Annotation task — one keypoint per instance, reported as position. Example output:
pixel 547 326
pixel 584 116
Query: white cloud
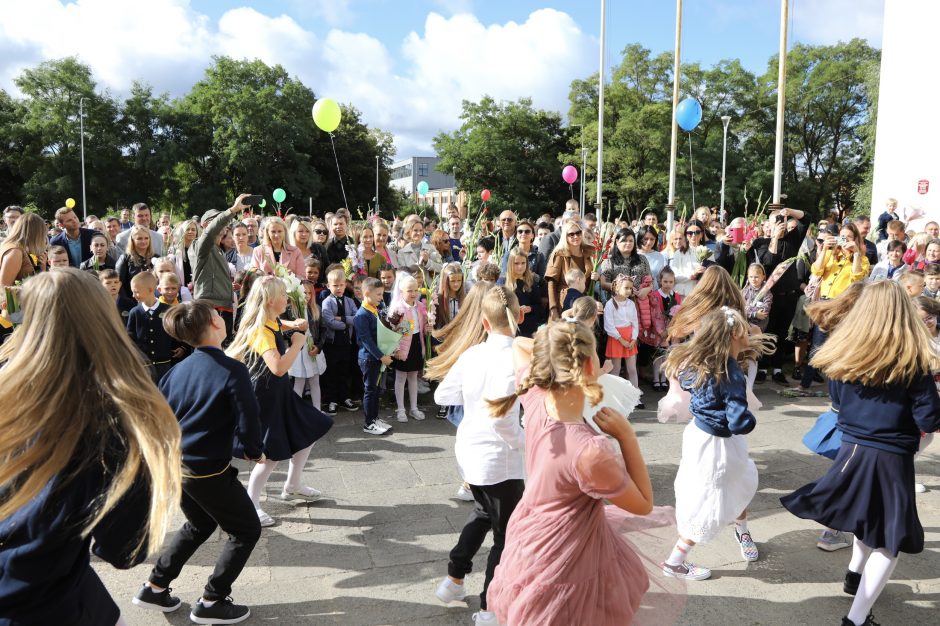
pixel 828 21
pixel 168 44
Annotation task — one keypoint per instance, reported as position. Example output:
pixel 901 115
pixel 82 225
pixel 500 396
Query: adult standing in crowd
pixel 142 217
pixel 380 229
pixel 274 249
pixel 863 224
pixel 525 239
pixel 251 223
pixel 336 249
pixel 507 229
pixel 10 215
pixel 418 251
pixel 211 278
pixel 681 259
pixel 240 255
pixel 570 253
pixel 647 239
pixel 75 239
pixel 783 244
pixel 549 242
pixel 625 260
pixel 25 241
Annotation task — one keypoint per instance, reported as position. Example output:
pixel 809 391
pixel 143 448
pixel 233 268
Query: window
pixel 401 172
pixel 422 169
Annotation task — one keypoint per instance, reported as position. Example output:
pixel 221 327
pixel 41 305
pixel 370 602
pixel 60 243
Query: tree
pixel 11 151
pixel 510 148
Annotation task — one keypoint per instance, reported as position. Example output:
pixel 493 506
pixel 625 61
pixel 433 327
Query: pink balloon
pixel 570 174
pixel 485 195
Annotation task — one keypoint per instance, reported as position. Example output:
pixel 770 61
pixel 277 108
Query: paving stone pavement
pixel 373 549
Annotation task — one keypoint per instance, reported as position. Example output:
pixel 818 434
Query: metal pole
pixel 671 203
pixel 725 119
pixel 600 109
pixel 781 100
pixel 376 184
pixel 583 165
pixel 81 125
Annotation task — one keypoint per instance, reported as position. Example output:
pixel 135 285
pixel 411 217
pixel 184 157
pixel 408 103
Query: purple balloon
pixel 570 174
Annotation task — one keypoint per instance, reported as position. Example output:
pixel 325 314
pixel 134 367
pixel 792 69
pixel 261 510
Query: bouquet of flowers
pixel 356 261
pixel 347 267
pixel 702 254
pixel 295 291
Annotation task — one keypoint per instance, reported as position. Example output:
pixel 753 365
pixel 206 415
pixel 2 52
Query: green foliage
pixel 245 126
pixel 511 149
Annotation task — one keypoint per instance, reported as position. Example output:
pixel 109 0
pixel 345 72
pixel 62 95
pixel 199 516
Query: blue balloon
pixel 688 114
pixel 423 188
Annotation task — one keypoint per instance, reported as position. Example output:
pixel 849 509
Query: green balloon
pixel 263 203
pixel 326 114
pixel 279 195
pixel 423 188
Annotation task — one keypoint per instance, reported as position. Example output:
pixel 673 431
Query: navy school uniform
pixel 45 571
pixel 146 330
pixel 571 295
pixel 124 306
pixel 869 491
pixel 339 348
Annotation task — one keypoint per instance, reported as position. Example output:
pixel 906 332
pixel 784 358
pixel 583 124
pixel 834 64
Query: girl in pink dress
pixel 564 562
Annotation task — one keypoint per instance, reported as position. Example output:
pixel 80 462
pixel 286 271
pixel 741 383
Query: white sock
pixel 860 554
pixel 679 553
pixel 777 370
pixel 487 615
pixel 206 603
pixel 877 571
pixel 741 526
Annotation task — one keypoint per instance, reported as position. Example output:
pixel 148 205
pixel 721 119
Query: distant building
pixel 407 173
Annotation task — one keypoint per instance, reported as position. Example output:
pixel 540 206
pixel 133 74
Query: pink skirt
pixel 616 350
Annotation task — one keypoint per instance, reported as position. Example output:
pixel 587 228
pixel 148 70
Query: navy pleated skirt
pixel 868 492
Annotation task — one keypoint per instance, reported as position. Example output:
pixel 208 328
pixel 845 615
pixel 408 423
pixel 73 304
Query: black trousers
pixel 782 310
pixel 335 384
pixel 210 503
pixel 492 510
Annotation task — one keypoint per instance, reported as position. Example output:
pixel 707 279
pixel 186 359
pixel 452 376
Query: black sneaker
pixel 442 412
pixel 349 405
pixel 852 580
pixel 869 621
pixel 640 406
pixel 222 612
pixel 797 373
pixel 330 409
pixel 761 376
pixel 780 378
pixel 817 378
pixel 161 601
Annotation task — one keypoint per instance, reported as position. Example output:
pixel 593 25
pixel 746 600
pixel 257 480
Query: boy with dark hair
pixel 145 325
pixel 212 397
pixel 111 281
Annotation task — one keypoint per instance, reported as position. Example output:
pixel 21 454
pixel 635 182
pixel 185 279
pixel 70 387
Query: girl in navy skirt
pixel 886 399
pixel 290 426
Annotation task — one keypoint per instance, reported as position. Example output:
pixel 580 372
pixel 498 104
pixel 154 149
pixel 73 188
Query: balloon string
pixel 571 189
pixel 691 171
pixel 340 174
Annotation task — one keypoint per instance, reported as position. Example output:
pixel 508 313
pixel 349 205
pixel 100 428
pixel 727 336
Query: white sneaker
pixel 423 387
pixel 465 494
pixel 265 519
pixel 382 423
pixel 920 488
pixel 485 618
pixel 418 414
pixel 301 493
pixel 449 591
pixel 375 429
pixel 401 416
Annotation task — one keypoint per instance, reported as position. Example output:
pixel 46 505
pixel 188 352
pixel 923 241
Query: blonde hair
pixel 884 315
pixel 131 249
pixel 827 314
pixel 28 235
pixel 292 233
pixel 558 355
pixel 705 356
pixel 574 275
pixel 714 290
pixel 527 277
pixel 501 309
pixel 460 333
pixel 444 292
pixel 584 309
pixel 618 288
pixel 275 221
pixel 563 240
pixel 144 280
pixel 72 333
pixel 254 318
pixel 179 235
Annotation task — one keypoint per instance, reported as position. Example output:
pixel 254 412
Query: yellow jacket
pixel 837 274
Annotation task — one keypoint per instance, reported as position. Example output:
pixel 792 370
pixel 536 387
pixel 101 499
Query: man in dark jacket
pixel 75 239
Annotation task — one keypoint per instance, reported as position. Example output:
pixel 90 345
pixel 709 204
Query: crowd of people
pixel 233 335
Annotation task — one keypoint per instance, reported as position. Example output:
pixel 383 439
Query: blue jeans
pixel 370 397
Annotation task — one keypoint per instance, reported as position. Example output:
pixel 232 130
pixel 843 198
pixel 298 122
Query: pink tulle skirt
pixel 674 406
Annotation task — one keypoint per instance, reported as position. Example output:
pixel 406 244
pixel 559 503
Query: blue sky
pixel 406 64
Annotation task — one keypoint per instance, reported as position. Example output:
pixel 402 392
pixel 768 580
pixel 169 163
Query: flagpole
pixel 671 203
pixel 781 102
pixel 600 108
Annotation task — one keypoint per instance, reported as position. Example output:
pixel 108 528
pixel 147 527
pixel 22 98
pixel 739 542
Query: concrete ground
pixel 374 548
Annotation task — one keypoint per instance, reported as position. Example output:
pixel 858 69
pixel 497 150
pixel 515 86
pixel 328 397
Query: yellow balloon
pixel 326 114
pixel 70 203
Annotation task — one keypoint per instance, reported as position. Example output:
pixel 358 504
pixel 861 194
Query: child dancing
pixel 886 399
pixel 716 478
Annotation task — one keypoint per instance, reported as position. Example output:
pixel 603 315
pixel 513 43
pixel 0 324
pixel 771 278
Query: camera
pixel 841 241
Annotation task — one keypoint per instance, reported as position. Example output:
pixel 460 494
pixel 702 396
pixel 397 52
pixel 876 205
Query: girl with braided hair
pixel 564 561
pixel 488 445
pixel 716 479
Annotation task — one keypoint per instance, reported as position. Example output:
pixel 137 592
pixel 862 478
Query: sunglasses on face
pixel 524 231
pixel 693 232
pixel 320 232
pixel 575 234
pixel 507 219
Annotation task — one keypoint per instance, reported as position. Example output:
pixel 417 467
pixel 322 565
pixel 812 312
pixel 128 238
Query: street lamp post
pixel 376 184
pixel 725 119
pixel 81 125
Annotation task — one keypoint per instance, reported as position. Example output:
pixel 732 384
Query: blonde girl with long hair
pixel 183 237
pixel 92 462
pixel 138 257
pixel 411 318
pixel 716 479
pixel 886 398
pixel 488 447
pixel 290 425
pixel 564 561
pixel 529 289
pixel 23 252
pixel 450 295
